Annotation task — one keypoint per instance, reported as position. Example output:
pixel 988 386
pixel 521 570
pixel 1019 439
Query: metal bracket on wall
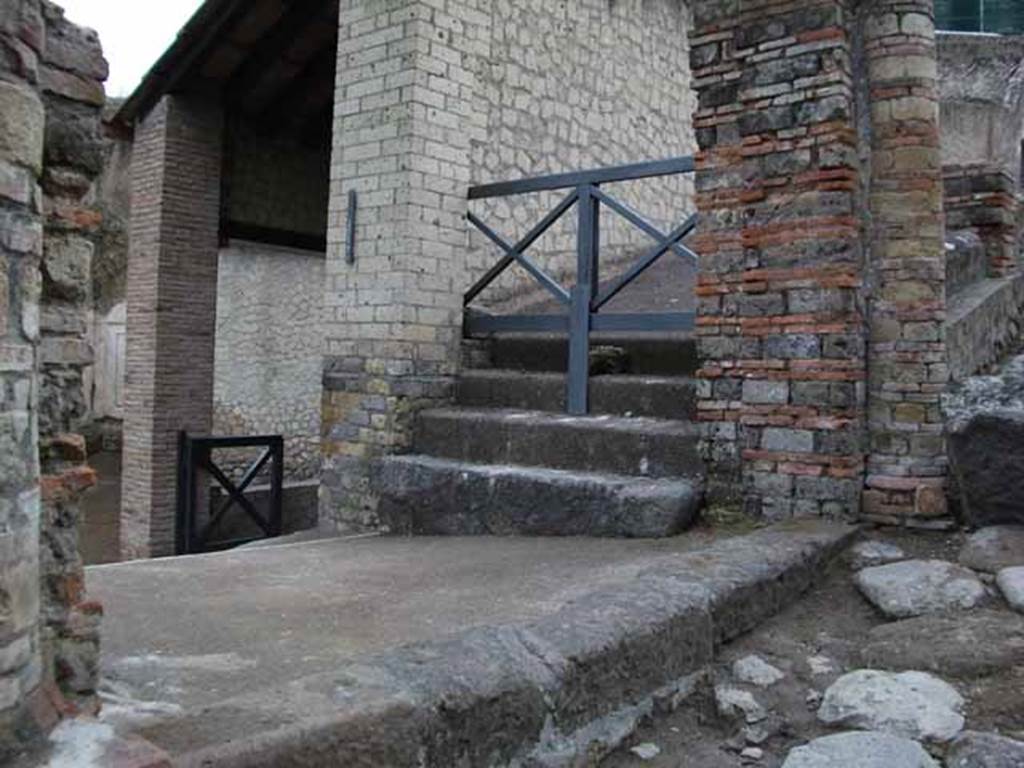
pixel 350 244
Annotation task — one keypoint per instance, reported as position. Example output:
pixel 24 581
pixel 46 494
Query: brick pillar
pixel 172 296
pixel 781 327
pixel 22 122
pixel 405 115
pixel 907 358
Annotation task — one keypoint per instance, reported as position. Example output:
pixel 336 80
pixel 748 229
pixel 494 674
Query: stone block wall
pixel 781 324
pixel 406 116
pixel 574 86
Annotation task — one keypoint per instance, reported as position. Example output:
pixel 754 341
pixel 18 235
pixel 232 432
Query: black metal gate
pixel 197 532
pixel 585 300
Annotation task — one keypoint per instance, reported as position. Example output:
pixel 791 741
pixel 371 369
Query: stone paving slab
pixel 430 651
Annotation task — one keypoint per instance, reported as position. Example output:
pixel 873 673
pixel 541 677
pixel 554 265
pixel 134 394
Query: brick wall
pixel 908 360
pixel 983 198
pixel 172 289
pixel 781 326
pixel 72 73
pixel 21 240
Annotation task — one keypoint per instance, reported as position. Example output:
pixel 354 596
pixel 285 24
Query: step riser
pixel 653 357
pixel 558 444
pixel 425 497
pixel 655 398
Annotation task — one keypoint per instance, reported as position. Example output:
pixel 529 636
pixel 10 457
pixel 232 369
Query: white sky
pixel 134 33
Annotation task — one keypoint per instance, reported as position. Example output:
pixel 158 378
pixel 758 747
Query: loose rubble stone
pixel 646 751
pixel 820 665
pixel 756 671
pixel 985 750
pixel 860 750
pixel 917 587
pixel 866 554
pixel 734 702
pixel 970 645
pixel 1011 582
pixel 915 705
pixel 995 548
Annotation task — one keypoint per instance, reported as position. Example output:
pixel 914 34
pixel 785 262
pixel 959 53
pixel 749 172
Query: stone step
pixel 674 355
pixel 661 397
pixel 616 444
pixel 561 688
pixel 424 495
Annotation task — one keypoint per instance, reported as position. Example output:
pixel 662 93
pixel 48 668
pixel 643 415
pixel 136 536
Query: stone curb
pixel 520 694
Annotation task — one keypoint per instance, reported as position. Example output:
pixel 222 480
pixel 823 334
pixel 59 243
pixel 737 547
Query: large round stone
pixel 860 749
pixel 985 750
pixel 1011 582
pixel 918 587
pixel 969 645
pixel 914 705
pixel 995 548
pixel 985 422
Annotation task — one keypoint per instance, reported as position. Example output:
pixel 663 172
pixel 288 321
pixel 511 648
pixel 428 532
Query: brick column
pixel 172 295
pixel 781 326
pixel 405 114
pixel 907 358
pixel 22 121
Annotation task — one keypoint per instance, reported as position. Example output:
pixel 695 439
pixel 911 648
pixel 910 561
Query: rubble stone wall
pixel 51 91
pixel 22 122
pixel 574 86
pixel 72 84
pixel 269 350
pixel 981 81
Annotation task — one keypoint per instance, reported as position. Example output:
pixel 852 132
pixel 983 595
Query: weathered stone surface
pixel 985 750
pixel 968 645
pixel 66 262
pixel 21 126
pixel 985 422
pixel 860 750
pixel 424 495
pixel 916 587
pixel 915 705
pixel 867 554
pixel 1011 582
pixel 756 671
pixel 995 548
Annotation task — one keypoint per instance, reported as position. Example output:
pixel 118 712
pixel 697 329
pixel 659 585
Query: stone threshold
pixel 560 689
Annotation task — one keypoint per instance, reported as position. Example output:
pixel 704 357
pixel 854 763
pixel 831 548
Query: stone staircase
pixel 505 458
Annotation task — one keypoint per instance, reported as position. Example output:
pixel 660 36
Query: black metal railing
pixel 586 299
pixel 197 523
